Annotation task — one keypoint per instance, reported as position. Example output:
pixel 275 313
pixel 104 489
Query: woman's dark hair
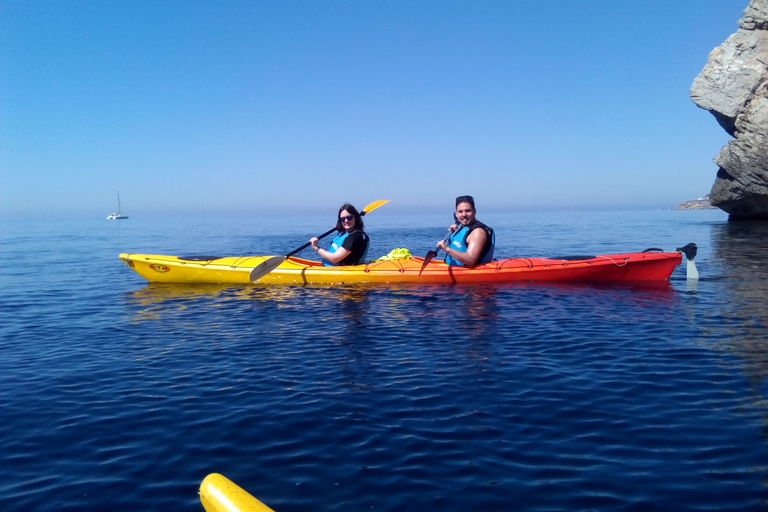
pixel 358 218
pixel 466 199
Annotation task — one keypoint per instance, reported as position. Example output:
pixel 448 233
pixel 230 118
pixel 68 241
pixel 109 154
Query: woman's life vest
pixel 358 252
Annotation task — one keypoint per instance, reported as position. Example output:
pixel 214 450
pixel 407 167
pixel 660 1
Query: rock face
pixel 733 86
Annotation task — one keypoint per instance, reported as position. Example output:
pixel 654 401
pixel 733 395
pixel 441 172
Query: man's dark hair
pixel 358 218
pixel 466 199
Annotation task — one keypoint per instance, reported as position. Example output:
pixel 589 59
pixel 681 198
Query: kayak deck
pixel 641 266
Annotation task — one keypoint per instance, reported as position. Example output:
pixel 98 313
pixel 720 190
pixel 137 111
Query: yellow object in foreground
pixel 220 494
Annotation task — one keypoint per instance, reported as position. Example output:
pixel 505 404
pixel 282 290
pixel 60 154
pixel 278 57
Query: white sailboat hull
pixel 117 215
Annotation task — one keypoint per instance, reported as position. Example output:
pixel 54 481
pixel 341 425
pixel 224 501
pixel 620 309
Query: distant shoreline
pixel 696 204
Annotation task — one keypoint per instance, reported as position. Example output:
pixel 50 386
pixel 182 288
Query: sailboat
pixel 117 215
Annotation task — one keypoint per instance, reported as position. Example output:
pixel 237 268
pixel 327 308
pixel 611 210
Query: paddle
pixel 270 264
pixel 433 253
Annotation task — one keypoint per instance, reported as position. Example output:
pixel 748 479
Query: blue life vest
pixel 336 244
pixel 458 242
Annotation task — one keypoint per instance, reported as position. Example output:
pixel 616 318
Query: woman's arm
pixel 332 257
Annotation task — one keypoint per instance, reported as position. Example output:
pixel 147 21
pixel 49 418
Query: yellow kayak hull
pixel 641 266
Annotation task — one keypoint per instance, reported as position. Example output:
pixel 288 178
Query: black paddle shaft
pixel 310 243
pixel 433 253
pixel 448 235
pixel 319 237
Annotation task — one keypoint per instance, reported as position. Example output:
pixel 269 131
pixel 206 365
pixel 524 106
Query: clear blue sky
pixel 255 107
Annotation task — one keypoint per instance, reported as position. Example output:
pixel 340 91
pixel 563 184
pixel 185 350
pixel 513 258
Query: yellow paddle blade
pixel 375 205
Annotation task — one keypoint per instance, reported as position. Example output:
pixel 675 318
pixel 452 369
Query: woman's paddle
pixel 270 264
pixel 432 254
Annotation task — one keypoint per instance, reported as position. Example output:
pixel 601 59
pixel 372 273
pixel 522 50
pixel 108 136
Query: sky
pixel 191 107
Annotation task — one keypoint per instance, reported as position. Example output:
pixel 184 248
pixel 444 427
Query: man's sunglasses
pixel 348 217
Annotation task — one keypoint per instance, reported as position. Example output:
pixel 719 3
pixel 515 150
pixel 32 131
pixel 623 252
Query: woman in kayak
pixel 350 246
pixel 471 242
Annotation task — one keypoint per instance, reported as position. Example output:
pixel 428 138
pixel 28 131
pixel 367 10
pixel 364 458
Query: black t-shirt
pixel 356 243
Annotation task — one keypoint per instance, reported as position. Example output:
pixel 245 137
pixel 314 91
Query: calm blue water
pixel 119 395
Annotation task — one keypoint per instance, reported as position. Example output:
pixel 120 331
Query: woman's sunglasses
pixel 348 217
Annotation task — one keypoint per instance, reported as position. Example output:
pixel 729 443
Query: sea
pixel 121 395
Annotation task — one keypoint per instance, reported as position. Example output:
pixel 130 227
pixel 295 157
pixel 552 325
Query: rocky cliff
pixel 733 86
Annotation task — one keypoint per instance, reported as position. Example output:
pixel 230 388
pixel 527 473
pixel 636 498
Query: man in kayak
pixel 471 242
pixel 350 247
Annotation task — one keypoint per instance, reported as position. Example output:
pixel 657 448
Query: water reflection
pixel 349 305
pixel 474 309
pixel 158 292
pixel 157 299
pixel 740 254
pixel 353 331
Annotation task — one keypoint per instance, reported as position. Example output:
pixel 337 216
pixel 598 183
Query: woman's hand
pixel 313 242
pixel 441 245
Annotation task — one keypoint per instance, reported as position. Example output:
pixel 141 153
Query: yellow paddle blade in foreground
pixel 220 494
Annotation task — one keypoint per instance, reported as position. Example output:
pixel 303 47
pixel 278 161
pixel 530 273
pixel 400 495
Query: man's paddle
pixel 433 253
pixel 270 264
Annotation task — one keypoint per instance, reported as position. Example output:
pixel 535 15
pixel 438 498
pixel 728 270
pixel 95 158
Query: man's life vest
pixel 458 242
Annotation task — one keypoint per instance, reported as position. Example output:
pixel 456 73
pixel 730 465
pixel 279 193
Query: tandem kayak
pixel 638 266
